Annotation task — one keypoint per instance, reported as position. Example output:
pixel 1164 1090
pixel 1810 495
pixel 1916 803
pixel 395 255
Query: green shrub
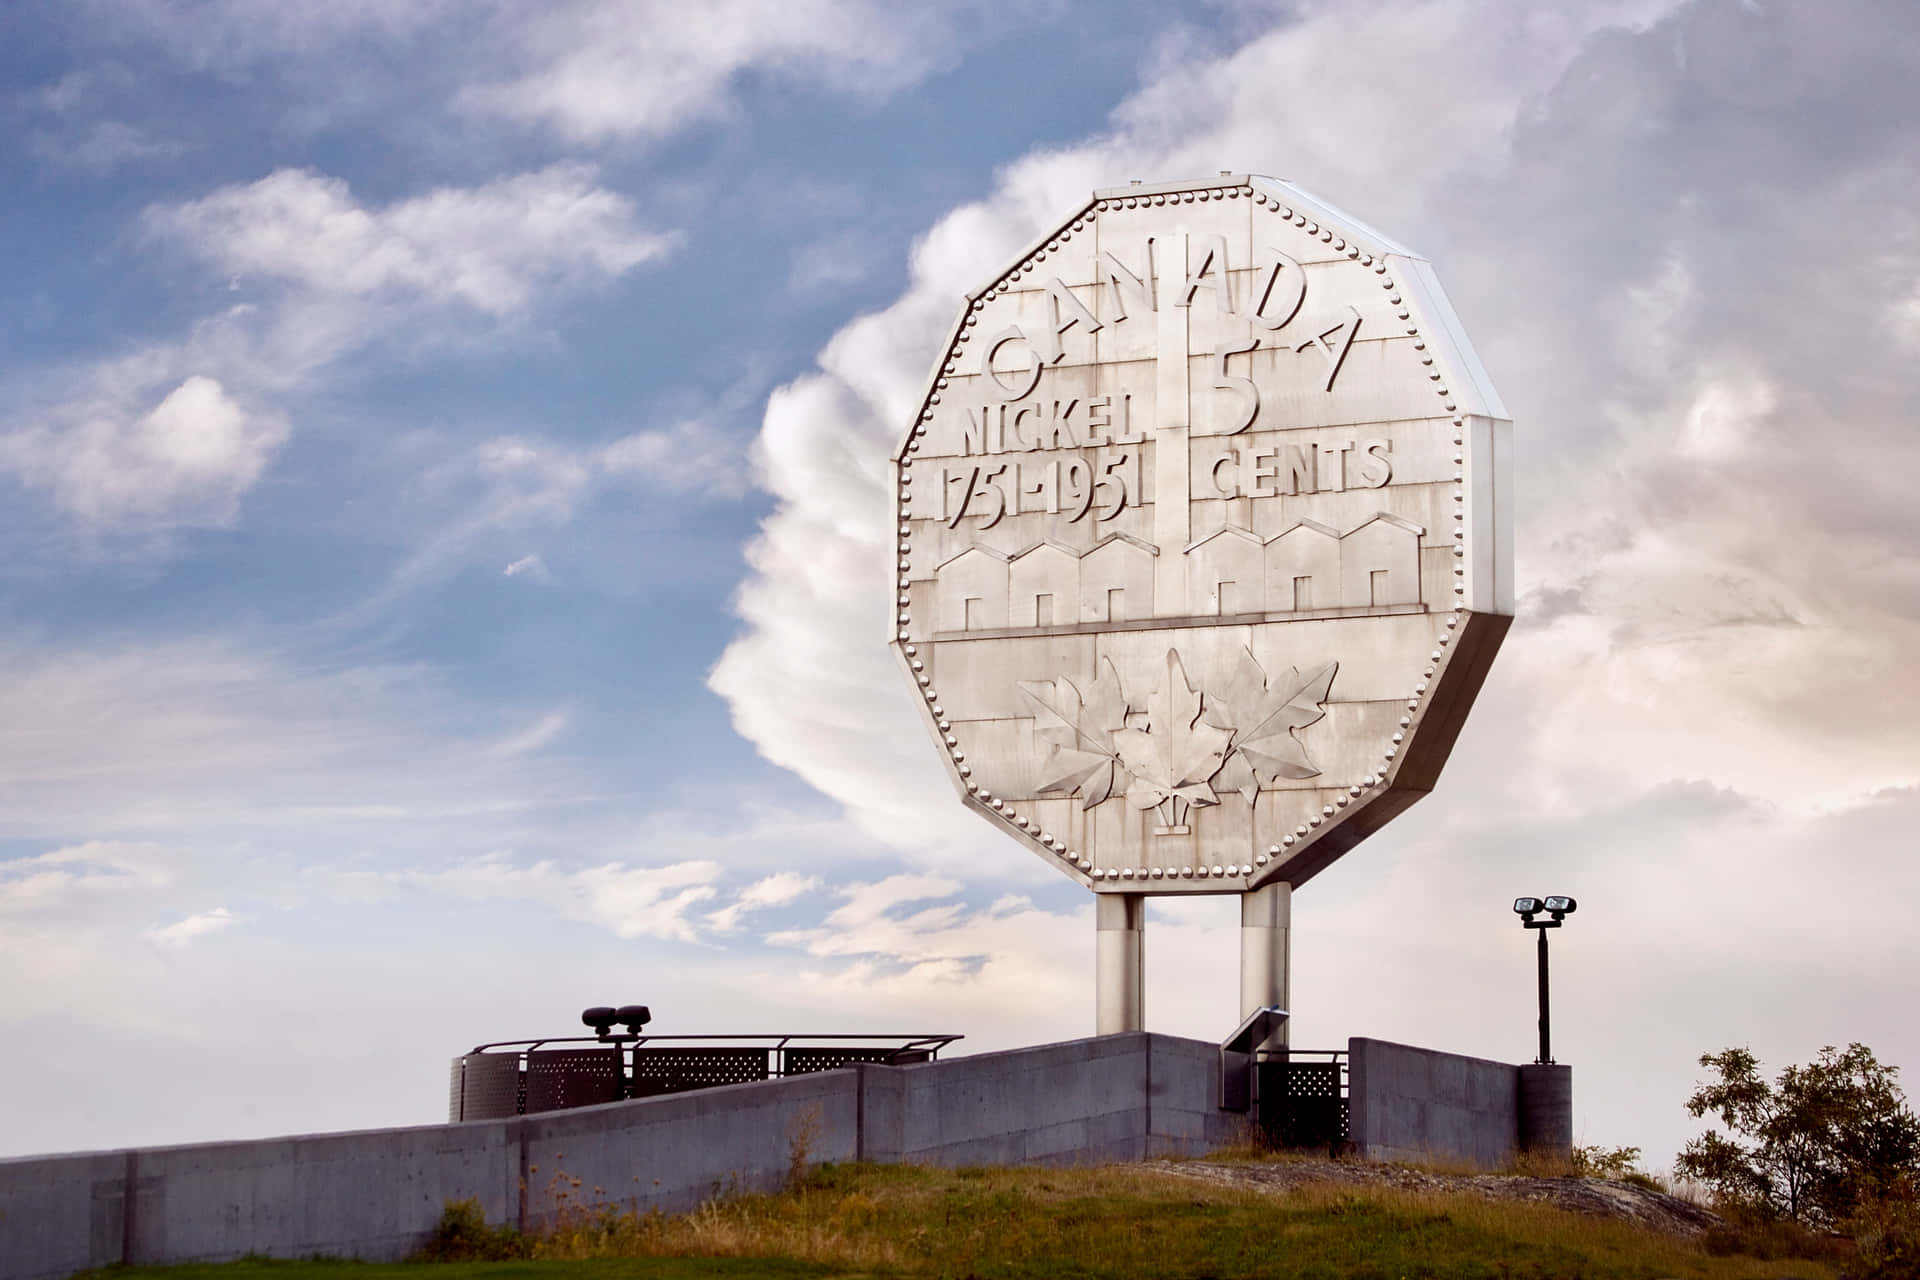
pixel 462 1235
pixel 1886 1229
pixel 1617 1163
pixel 1758 1233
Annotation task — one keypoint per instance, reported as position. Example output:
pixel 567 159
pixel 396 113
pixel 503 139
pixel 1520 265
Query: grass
pixel 1115 1221
pixel 591 1269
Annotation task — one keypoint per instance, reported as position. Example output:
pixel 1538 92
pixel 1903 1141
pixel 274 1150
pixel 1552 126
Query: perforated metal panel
pixel 801 1061
pixel 1303 1104
pixel 560 1078
pixel 486 1086
pixel 657 1071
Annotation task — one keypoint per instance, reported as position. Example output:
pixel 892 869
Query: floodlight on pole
pixel 1557 907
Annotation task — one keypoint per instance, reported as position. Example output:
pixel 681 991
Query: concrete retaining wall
pixel 1183 1099
pixel 1423 1105
pixel 376 1194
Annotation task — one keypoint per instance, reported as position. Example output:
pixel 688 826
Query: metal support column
pixel 1119 960
pixel 1546 1025
pixel 1266 920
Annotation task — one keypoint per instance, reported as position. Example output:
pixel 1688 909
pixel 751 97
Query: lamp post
pixel 1558 908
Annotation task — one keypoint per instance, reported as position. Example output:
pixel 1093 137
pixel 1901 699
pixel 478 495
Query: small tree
pixel 1809 1146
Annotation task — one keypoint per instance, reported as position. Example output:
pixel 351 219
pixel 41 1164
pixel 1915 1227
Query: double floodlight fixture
pixel 602 1017
pixel 1558 907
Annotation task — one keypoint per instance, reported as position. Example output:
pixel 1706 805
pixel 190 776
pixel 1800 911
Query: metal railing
pixel 523 1077
pixel 1336 1058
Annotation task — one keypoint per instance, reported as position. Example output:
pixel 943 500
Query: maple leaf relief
pixel 1080 728
pixel 1183 747
pixel 1262 718
pixel 1173 758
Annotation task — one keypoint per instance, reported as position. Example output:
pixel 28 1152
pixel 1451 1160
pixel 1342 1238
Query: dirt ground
pixel 1650 1209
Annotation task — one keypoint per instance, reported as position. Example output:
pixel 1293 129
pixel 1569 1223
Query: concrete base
pixel 1546 1110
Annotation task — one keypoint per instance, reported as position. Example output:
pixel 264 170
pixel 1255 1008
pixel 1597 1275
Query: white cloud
pixel 76 873
pixel 588 71
pixel 808 681
pixel 841 260
pixel 1724 415
pixel 181 932
pixel 639 69
pixel 627 901
pixel 234 34
pixel 694 457
pixel 195 722
pixel 541 733
pixel 323 275
pixel 104 147
pixel 1904 316
pixel 186 461
pixel 494 248
pixel 907 932
pixel 905 951
pixel 71 89
pixel 776 890
pixel 868 923
pixel 532 568
pixel 501 486
pixel 508 485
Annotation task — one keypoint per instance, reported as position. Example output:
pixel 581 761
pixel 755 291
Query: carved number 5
pixel 1119 480
pixel 1243 387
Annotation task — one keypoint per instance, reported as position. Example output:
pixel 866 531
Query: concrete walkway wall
pixel 1414 1104
pixel 376 1194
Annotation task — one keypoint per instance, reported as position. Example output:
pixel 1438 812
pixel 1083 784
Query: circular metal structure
pixel 1204 538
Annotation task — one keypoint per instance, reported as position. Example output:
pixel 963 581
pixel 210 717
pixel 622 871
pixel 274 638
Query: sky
pixel 444 555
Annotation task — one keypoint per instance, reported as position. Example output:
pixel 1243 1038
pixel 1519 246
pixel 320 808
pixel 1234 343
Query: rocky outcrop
pixel 1654 1210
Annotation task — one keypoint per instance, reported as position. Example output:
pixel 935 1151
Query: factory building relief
pixel 1232 572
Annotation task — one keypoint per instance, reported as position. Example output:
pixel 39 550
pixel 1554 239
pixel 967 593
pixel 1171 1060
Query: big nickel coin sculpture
pixel 1204 551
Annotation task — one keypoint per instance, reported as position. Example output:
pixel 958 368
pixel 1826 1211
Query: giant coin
pixel 1204 538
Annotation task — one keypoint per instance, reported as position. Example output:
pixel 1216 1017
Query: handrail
pixel 644 1065
pixel 1285 1053
pixel 932 1044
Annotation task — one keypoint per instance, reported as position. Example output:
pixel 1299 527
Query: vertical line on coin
pixel 1172 520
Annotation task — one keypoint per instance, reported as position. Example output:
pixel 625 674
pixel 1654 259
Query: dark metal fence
pixel 1302 1097
pixel 524 1077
